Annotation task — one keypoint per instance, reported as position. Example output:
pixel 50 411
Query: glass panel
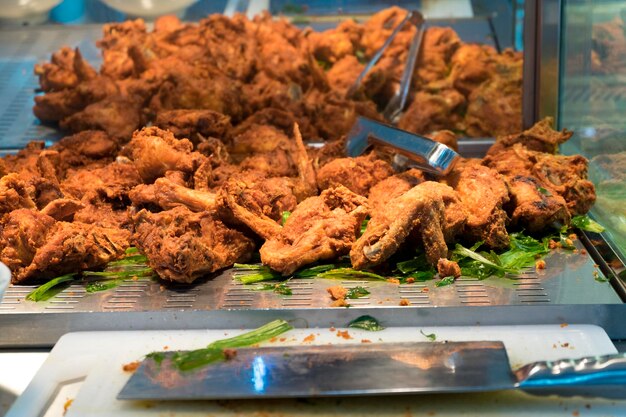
pixel 593 103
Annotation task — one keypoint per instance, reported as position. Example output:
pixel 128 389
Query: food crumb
pixel 540 264
pixel 230 354
pixel 366 341
pixel 337 292
pixel 393 280
pixel 583 251
pixel 344 334
pixel 131 367
pixel 161 288
pixel 554 346
pixel 67 405
pixel 425 289
pixel 341 302
pixel 332 329
pixel 405 302
pixel 309 338
pixel 575 413
pixel 564 345
pixel 564 325
pixel 410 280
pixel 573 236
pixel 273 339
pixel 282 339
pixel 553 244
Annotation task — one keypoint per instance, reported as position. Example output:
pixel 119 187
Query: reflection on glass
pixel 258 374
pixel 593 103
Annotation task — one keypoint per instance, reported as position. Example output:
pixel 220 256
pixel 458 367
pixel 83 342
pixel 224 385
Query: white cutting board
pixel 87 367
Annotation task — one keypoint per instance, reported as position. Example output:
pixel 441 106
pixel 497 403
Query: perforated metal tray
pixel 565 292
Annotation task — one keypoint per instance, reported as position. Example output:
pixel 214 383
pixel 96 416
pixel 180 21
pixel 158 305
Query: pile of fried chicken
pixel 265 69
pixel 196 208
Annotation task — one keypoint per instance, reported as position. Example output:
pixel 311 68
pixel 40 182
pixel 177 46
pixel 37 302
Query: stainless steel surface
pixel 329 370
pixel 396 104
pixel 430 156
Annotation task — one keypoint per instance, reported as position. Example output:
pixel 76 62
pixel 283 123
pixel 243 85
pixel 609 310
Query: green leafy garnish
pixel 280 288
pixel 324 65
pixel 131 251
pixel 284 217
pixel 141 260
pixel 357 292
pixel 445 281
pixel 250 274
pixel 544 191
pixel 313 271
pixel 364 224
pixel 431 336
pixel 142 271
pixel 360 56
pixel 50 288
pixel 585 223
pixel 214 352
pixel 368 323
pixel 523 253
pixel 97 286
pixel 350 273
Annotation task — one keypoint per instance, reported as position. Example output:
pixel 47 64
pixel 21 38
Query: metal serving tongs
pixel 398 101
pixel 428 155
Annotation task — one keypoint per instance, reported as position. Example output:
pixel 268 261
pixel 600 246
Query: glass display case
pixel 579 49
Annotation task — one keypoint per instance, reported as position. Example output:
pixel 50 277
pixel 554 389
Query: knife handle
pixel 588 371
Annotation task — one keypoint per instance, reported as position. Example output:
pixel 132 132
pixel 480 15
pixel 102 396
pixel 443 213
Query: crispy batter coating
pixel 320 228
pixel 540 137
pixel 182 245
pixel 394 186
pixel 194 124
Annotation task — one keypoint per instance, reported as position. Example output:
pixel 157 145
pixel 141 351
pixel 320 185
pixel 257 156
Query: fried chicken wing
pixel 319 228
pixel 182 245
pixel 540 137
pixel 394 186
pixel 387 230
pixel 194 124
pixel 167 194
pixel 535 206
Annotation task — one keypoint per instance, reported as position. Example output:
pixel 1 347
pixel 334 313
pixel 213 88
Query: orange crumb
pixel 166 347
pixel 410 280
pixel 393 280
pixel 161 288
pixel 425 289
pixel 405 302
pixel 273 339
pixel 564 324
pixel 569 242
pixel 309 338
pixel 341 302
pixel 573 236
pixel 282 339
pixel 332 329
pixel 564 345
pixel 230 354
pixel 366 341
pixel 131 367
pixel 583 251
pixel 540 264
pixel 67 405
pixel 553 244
pixel 344 334
pixel 337 292
pixel 575 413
pixel 135 278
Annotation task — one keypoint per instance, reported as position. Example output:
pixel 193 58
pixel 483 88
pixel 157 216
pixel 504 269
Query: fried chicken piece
pixel 495 106
pixel 421 207
pixel 567 176
pixel 392 187
pixel 182 245
pixel 430 112
pixel 66 69
pixel 15 194
pixel 155 151
pixel 111 183
pixel 62 209
pixel 540 137
pixel 511 161
pixel 483 193
pixel 167 194
pixel 194 124
pixel 89 148
pixel 102 213
pixel 534 205
pixel 118 116
pixel 117 39
pixel 446 137
pixel 456 214
pixel 332 45
pixel 344 73
pixel 447 268
pixel 439 45
pixel 319 228
pixel 357 174
pixel 34 245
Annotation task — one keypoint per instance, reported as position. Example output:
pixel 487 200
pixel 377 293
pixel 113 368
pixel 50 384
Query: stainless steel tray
pixel 565 292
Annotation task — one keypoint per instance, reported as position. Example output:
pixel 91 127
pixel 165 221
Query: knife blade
pixel 372 369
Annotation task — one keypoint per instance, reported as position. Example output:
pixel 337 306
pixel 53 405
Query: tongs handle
pixel 398 101
pixel 413 16
pixel 430 156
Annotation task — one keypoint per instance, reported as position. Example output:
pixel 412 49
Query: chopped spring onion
pixel 585 223
pixel 364 224
pixel 368 323
pixel 350 273
pixel 284 217
pixel 104 285
pixel 357 292
pixel 431 336
pixel 50 288
pixel 250 274
pixel 445 281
